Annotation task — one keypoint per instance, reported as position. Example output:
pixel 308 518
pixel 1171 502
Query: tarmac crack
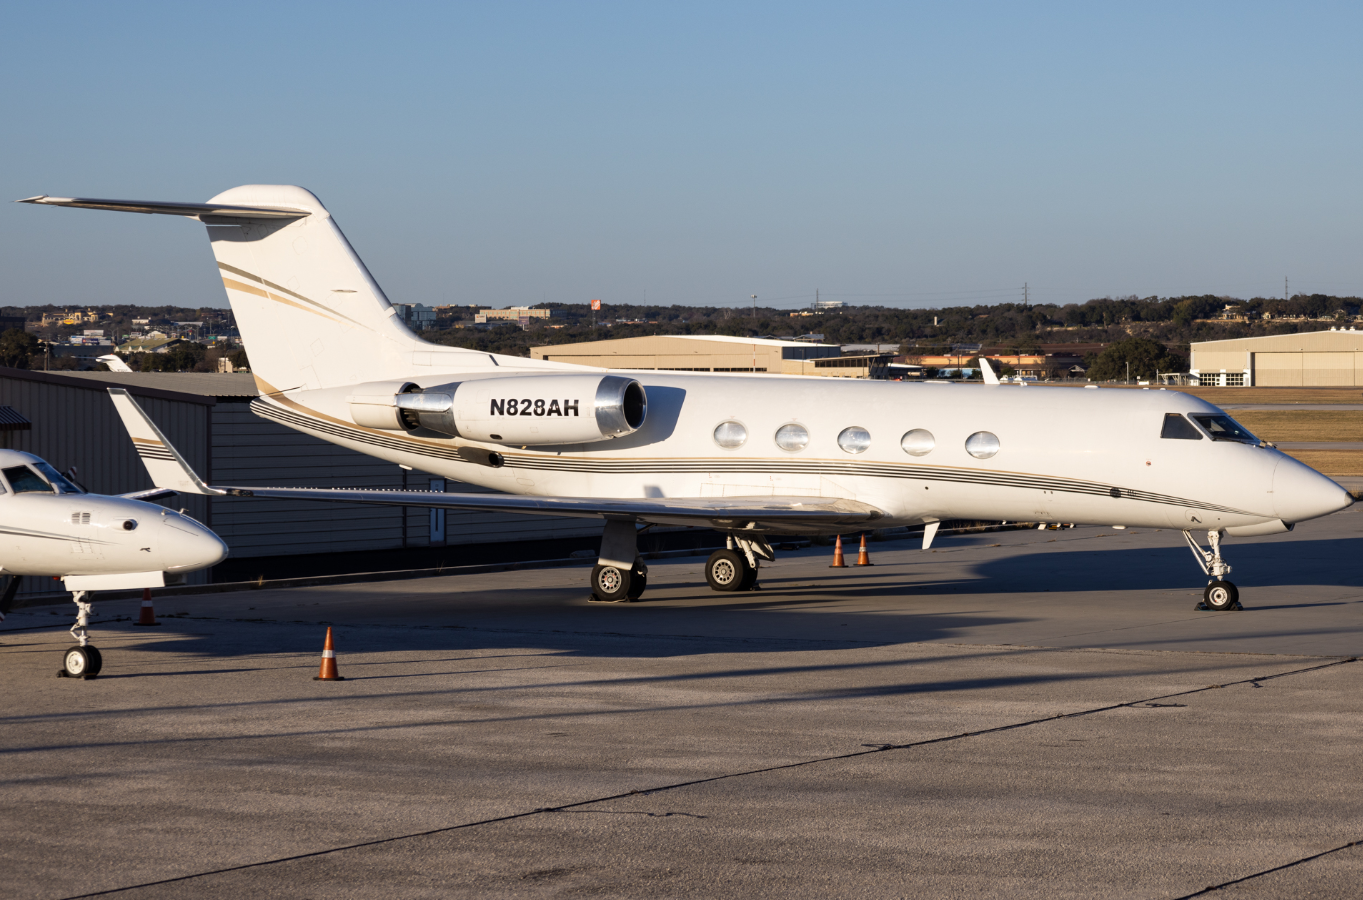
pixel 873 749
pixel 1286 865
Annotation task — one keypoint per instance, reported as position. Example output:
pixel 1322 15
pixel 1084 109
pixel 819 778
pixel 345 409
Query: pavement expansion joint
pixel 866 750
pixel 1260 874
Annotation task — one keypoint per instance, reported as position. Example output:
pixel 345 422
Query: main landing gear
pixel 735 568
pixel 1219 595
pixel 83 660
pixel 615 581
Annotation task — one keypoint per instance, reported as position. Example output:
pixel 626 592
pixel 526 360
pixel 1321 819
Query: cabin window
pixel 1178 428
pixel 1224 428
pixel 982 445
pixel 854 440
pixel 730 435
pixel 23 480
pixel 918 442
pixel 792 437
pixel 57 479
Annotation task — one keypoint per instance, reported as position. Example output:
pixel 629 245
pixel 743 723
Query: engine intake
pixel 527 410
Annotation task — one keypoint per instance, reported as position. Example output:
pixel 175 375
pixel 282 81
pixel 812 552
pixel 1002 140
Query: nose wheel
pixel 84 660
pixel 1219 595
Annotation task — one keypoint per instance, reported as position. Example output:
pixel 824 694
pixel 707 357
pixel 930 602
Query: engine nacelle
pixel 521 410
pixel 372 406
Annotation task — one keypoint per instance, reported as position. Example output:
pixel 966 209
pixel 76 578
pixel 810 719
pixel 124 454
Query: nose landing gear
pixel 1219 595
pixel 84 660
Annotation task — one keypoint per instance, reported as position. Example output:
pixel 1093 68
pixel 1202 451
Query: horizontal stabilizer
pixel 171 209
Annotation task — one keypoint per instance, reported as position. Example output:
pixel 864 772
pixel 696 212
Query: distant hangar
pixel 719 353
pixel 1331 358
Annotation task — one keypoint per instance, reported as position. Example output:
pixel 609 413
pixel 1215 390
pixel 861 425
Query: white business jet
pixel 50 526
pixel 751 456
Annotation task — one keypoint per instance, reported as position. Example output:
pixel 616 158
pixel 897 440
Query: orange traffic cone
pixel 148 616
pixel 862 558
pixel 837 555
pixel 328 671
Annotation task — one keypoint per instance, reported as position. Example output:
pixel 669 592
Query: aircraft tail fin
pixel 988 372
pixel 310 314
pixel 164 463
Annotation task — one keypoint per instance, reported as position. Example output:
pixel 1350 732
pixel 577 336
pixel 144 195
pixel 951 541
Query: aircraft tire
pixel 611 584
pixel 96 659
pixel 80 662
pixel 1220 596
pixel 638 580
pixel 726 571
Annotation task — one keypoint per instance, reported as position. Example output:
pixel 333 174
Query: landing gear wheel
pixel 81 662
pixel 1220 596
pixel 611 584
pixel 727 570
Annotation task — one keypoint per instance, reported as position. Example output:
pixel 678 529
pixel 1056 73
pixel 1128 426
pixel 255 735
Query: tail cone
pixel 328 671
pixel 148 616
pixel 864 559
pixel 838 562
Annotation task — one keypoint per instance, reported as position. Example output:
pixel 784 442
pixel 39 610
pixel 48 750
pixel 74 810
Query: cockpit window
pixel 24 480
pixel 1179 429
pixel 57 479
pixel 1224 428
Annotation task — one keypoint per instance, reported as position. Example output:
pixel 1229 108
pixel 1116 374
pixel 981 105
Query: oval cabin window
pixel 730 435
pixel 854 440
pixel 918 442
pixel 982 445
pixel 792 438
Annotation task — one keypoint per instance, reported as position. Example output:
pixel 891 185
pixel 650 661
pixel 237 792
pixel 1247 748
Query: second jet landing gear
pixel 1219 595
pixel 83 660
pixel 735 568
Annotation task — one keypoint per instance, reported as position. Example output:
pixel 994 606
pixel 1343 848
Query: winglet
pixel 164 463
pixel 988 372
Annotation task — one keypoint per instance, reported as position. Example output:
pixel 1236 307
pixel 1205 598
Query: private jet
pixel 749 455
pixel 51 526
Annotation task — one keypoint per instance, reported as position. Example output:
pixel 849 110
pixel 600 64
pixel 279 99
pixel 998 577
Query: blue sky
pixel 903 154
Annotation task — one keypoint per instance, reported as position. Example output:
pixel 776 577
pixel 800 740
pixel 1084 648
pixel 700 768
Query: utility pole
pixel 754 325
pixel 1026 299
pixel 1286 295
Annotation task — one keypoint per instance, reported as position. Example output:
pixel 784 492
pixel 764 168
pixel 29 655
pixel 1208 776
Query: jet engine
pixel 521 410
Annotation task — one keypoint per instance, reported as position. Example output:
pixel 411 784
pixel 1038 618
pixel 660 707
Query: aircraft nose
pixel 186 545
pixel 1301 493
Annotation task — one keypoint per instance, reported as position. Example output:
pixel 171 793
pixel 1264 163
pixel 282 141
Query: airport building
pixel 719 353
pixel 69 420
pixel 1331 358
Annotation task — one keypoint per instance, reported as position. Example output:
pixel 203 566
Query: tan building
pixel 516 313
pixel 718 353
pixel 1331 358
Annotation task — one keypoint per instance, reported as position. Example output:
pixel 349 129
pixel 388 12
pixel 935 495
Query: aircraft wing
pixel 150 494
pixel 721 512
pixel 169 470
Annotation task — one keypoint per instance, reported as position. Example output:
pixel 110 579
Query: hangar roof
pixel 1310 341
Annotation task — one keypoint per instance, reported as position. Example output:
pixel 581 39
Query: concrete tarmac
pixel 1019 713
